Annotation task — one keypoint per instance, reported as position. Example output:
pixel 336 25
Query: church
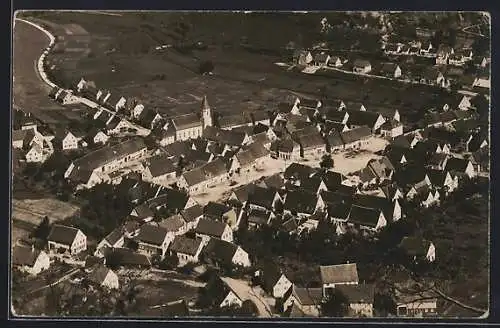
pixel 190 126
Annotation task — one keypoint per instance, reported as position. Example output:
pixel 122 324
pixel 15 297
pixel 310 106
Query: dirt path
pixel 245 292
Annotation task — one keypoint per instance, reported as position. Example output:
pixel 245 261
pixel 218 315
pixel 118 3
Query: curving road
pixel 29 91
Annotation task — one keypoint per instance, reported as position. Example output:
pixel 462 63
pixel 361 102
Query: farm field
pixel 168 80
pixel 29 92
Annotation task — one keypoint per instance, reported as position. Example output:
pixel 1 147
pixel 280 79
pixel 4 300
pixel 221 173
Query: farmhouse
pixel 360 299
pixel 106 160
pixel 187 249
pixel 363 118
pixel 362 66
pixel 191 215
pixel 286 149
pixel 153 240
pixel 256 217
pixel 321 59
pixel 300 203
pixel 418 248
pixel 29 259
pixel 461 166
pixel 220 212
pixel 335 61
pixel 364 218
pixel 160 169
pixel 207 229
pixel 338 274
pixel 224 253
pixel 407 305
pixel 114 239
pixel 391 70
pixel 307 300
pixel 302 57
pixel 391 129
pixel 273 281
pixel 102 276
pixel 356 137
pixel 199 179
pixel 66 238
pixel 124 257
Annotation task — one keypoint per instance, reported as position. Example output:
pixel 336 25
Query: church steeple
pixel 206 113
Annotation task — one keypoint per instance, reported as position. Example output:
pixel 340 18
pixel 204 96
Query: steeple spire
pixel 206 112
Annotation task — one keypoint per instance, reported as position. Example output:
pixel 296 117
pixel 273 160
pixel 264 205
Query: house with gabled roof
pixel 365 218
pixel 105 277
pixel 296 172
pixel 159 170
pixel 273 280
pixel 418 248
pixel 391 70
pixel 115 101
pixel 153 240
pixel 223 253
pixel 66 238
pixel 220 212
pixel 408 305
pixel 256 217
pixel 362 66
pixel 335 61
pixel 364 118
pixel 286 149
pixel 302 57
pixel 422 191
pixel 29 259
pixel 461 166
pixel 321 59
pixel 391 128
pixel 336 275
pixel 300 203
pixel 186 249
pixel 443 180
pixel 191 215
pixel 114 239
pixel 360 299
pixel 307 300
pixel 263 198
pixel 124 257
pixel 208 228
pixel 356 137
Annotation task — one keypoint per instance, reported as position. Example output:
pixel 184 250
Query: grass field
pixel 29 91
pixel 124 60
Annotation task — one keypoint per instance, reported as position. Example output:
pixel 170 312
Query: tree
pixel 336 305
pixel 326 162
pixel 43 229
pixel 206 67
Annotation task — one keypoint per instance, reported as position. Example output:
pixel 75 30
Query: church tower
pixel 206 113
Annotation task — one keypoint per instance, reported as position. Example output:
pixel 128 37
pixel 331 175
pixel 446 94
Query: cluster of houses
pixel 298 302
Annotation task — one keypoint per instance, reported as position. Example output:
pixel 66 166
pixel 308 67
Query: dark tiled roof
pixel 362 293
pixel 160 165
pixel 114 236
pixel 210 227
pixel 220 250
pixel 62 234
pixel 298 171
pixel 311 141
pixel 215 210
pixel 364 216
pixel 339 273
pixel 192 213
pixel 356 134
pixel 258 217
pixel 262 196
pixel 300 202
pixel 24 255
pixel 186 121
pixel 224 136
pixel 415 246
pixel 152 234
pixel 362 118
pixel 308 296
pixel 456 164
pixel 99 274
pixel 173 223
pixel 109 153
pixel 185 245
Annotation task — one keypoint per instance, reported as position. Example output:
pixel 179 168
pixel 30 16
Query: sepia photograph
pixel 250 164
